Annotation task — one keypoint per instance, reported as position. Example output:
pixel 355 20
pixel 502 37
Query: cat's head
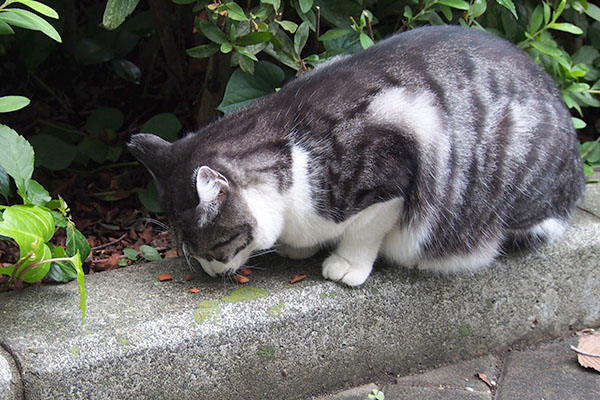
pixel 206 210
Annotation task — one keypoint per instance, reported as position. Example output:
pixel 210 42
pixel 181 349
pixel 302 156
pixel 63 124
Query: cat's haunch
pixel 436 148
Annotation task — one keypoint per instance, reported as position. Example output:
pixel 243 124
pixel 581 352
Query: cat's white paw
pixel 296 253
pixel 337 268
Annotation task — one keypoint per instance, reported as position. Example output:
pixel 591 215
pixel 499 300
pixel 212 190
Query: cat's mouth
pixel 216 268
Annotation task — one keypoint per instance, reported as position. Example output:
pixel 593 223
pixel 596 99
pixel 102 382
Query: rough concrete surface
pixel 10 379
pixel 271 340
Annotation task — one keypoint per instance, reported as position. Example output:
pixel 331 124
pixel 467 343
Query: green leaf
pixel 52 152
pixel 39 7
pixel 458 4
pixel 28 20
pixel 4 184
pixel 578 123
pixel 242 88
pixel 205 50
pixel 12 103
pixel 16 156
pixel 150 199
pixel 62 271
pixel 245 53
pixel 593 11
pixel 116 11
pixel 301 37
pixel 254 38
pixel 334 34
pixel 546 48
pixel 226 48
pixel 547 12
pixel 275 3
pixel 5 28
pixel 165 125
pixel 127 70
pixel 212 32
pixel 566 27
pixel 305 5
pixel 365 41
pixel 132 254
pixel 478 8
pixel 287 25
pixel 37 194
pixel 31 227
pixel 536 20
pixel 234 11
pixel 509 5
pixel 246 64
pixel 104 119
pixel 76 242
pixel 447 11
pixel 90 51
pixel 149 253
pixel 337 12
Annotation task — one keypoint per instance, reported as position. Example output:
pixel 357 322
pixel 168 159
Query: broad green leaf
pixel 31 227
pixel 254 38
pixel 536 20
pixel 245 53
pixel 365 41
pixel 246 64
pixel 12 103
pixel 212 32
pixel 149 253
pixel 509 5
pixel 62 271
pixel 547 13
pixel 116 11
pixel 275 3
pixel 447 11
pixel 478 8
pixel 337 12
pixel 16 156
pixel 305 5
pixel 132 254
pixel 165 125
pixel 52 152
pixel 287 25
pixel 591 151
pixel 127 70
pixel 90 51
pixel 234 11
pixel 5 28
pixel 4 184
pixel 77 243
pixel 334 34
pixel 39 7
pixel 104 119
pixel 226 48
pixel 37 194
pixel 559 10
pixel 300 38
pixel 566 27
pixel 578 123
pixel 28 20
pixel 242 88
pixel 458 4
pixel 546 49
pixel 205 50
pixel 150 199
pixel 593 11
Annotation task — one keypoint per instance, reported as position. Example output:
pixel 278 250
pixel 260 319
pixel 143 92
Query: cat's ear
pixel 152 151
pixel 212 188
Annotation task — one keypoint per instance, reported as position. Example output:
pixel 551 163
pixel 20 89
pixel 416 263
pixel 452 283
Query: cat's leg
pixel 352 261
pixel 296 253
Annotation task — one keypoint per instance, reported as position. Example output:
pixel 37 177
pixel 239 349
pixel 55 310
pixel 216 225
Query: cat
pixel 437 148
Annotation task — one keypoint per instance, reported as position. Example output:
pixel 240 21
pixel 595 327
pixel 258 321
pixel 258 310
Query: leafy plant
pixel 33 224
pixel 148 253
pixel 376 395
pixel 14 16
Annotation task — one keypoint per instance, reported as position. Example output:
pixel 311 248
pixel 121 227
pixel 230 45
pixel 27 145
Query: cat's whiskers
pixel 156 222
pixel 187 257
pixel 262 253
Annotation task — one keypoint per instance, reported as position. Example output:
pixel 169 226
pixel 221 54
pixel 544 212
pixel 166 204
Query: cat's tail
pixel 546 231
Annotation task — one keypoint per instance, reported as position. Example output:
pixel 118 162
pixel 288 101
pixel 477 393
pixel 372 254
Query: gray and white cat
pixel 435 148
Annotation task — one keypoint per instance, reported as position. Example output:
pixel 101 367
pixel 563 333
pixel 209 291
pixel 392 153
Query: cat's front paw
pixel 296 253
pixel 337 268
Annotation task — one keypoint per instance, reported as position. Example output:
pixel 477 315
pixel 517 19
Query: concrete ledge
pixel 272 340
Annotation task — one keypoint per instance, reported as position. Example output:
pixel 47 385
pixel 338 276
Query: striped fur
pixel 436 148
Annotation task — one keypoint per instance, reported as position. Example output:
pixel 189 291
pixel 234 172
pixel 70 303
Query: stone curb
pixel 272 340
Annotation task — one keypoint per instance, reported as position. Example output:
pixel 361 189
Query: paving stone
pixel 357 393
pixel 460 376
pixel 399 392
pixel 550 372
pixel 10 379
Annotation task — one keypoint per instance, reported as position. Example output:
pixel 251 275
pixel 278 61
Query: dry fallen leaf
pixel 171 253
pixel 298 278
pixel 241 279
pixel 588 350
pixel 194 290
pixel 485 379
pixel 165 277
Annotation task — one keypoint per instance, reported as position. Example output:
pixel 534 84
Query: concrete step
pixel 271 339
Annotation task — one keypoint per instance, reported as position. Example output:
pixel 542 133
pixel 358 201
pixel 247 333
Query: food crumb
pixel 244 271
pixel 189 278
pixel 194 290
pixel 241 279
